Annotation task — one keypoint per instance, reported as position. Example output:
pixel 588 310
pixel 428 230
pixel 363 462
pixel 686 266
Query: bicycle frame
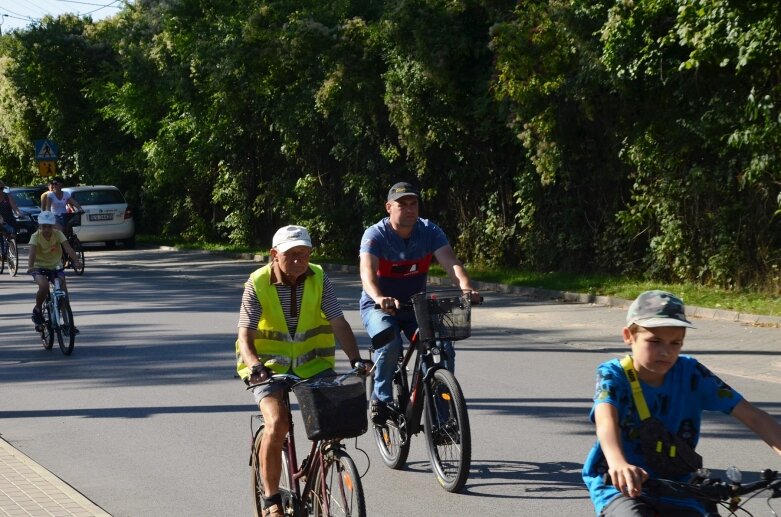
pixel 313 467
pixel 326 457
pixel 425 366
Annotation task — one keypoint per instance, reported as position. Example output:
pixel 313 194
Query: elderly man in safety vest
pixel 287 323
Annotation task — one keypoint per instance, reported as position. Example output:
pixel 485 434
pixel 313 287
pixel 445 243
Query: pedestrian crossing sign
pixel 46 150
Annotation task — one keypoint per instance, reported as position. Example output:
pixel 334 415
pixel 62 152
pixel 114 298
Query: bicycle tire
pixel 2 253
pixel 448 437
pixel 392 439
pixel 13 257
pixel 256 480
pixel 47 333
pixel 343 488
pixel 65 335
pixel 78 249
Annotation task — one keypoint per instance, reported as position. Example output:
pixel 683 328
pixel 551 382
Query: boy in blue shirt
pixel 676 389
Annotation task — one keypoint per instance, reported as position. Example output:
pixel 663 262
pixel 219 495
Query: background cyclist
pixel 46 246
pixel 57 201
pixel 288 319
pixel 395 256
pixel 8 211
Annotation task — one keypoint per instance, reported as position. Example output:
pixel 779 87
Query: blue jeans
pixel 385 328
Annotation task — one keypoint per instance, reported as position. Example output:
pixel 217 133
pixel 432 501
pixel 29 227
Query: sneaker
pixel 379 411
pixel 38 316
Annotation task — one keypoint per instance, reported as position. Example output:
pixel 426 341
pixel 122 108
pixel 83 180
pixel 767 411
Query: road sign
pixel 47 168
pixel 46 150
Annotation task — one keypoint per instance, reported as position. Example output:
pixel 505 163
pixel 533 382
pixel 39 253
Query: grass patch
pixel 745 301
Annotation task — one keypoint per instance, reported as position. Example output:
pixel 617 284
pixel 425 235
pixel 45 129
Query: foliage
pixel 639 137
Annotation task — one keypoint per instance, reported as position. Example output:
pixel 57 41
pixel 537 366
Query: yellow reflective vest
pixel 311 349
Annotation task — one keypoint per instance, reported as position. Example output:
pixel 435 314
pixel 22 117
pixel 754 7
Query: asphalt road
pixel 147 419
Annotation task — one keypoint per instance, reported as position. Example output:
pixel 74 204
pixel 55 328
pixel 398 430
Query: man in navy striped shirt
pixel 395 256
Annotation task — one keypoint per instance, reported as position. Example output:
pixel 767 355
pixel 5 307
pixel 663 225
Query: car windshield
pixel 98 197
pixel 26 198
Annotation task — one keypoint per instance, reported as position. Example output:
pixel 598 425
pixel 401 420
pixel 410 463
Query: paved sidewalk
pixel 29 490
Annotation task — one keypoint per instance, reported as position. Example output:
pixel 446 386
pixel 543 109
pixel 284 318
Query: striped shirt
pixel 251 310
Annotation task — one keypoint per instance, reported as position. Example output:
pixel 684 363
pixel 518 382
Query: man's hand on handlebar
pixel 364 366
pixel 259 373
pixel 475 298
pixel 387 304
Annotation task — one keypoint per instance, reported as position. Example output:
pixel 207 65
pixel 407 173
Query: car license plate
pixel 22 230
pixel 101 217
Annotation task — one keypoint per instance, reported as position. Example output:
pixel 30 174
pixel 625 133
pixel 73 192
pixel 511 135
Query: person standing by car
pixel 395 255
pixel 46 247
pixel 288 320
pixel 8 211
pixel 58 201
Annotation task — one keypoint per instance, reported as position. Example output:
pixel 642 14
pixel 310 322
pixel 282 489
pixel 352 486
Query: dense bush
pixel 636 137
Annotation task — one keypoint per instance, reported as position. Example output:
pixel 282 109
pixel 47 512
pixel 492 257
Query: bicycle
pixel 712 492
pixel 9 253
pixel 57 315
pixel 332 410
pixel 441 315
pixel 72 220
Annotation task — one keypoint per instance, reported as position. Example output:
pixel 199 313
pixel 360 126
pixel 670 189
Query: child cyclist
pixel 46 246
pixel 652 431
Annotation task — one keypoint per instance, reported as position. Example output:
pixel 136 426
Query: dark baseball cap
pixel 657 309
pixel 402 189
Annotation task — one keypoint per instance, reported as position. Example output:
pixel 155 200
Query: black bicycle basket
pixel 332 409
pixel 443 314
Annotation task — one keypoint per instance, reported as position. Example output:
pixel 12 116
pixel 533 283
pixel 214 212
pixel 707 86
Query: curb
pixel 546 294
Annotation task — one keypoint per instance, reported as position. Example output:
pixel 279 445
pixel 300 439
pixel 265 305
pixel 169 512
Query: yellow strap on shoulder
pixel 637 391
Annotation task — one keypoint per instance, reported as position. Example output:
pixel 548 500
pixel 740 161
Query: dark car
pixel 28 200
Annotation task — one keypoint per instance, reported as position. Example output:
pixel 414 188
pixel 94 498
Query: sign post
pixel 46 154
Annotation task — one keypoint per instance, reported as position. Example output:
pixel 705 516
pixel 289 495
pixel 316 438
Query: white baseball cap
pixel 291 236
pixel 47 218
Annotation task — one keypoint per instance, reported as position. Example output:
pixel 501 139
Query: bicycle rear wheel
pixel 47 333
pixel 342 493
pixel 392 439
pixel 256 480
pixel 13 257
pixel 65 335
pixel 448 437
pixel 79 250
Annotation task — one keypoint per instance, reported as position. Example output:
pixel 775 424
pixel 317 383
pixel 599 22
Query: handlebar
pixel 706 488
pixel 408 306
pixel 292 379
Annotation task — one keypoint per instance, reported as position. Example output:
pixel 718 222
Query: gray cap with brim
pixel 657 309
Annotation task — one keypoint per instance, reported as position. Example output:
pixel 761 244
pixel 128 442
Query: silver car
pixel 106 216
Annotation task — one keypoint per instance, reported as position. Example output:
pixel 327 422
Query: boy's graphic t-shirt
pixel 689 388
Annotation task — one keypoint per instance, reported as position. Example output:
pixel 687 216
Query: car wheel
pixel 130 243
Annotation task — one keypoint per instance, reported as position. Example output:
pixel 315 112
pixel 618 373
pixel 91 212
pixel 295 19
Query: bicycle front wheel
pixel 256 480
pixel 13 257
pixel 79 250
pixel 46 330
pixel 448 437
pixel 338 491
pixel 65 335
